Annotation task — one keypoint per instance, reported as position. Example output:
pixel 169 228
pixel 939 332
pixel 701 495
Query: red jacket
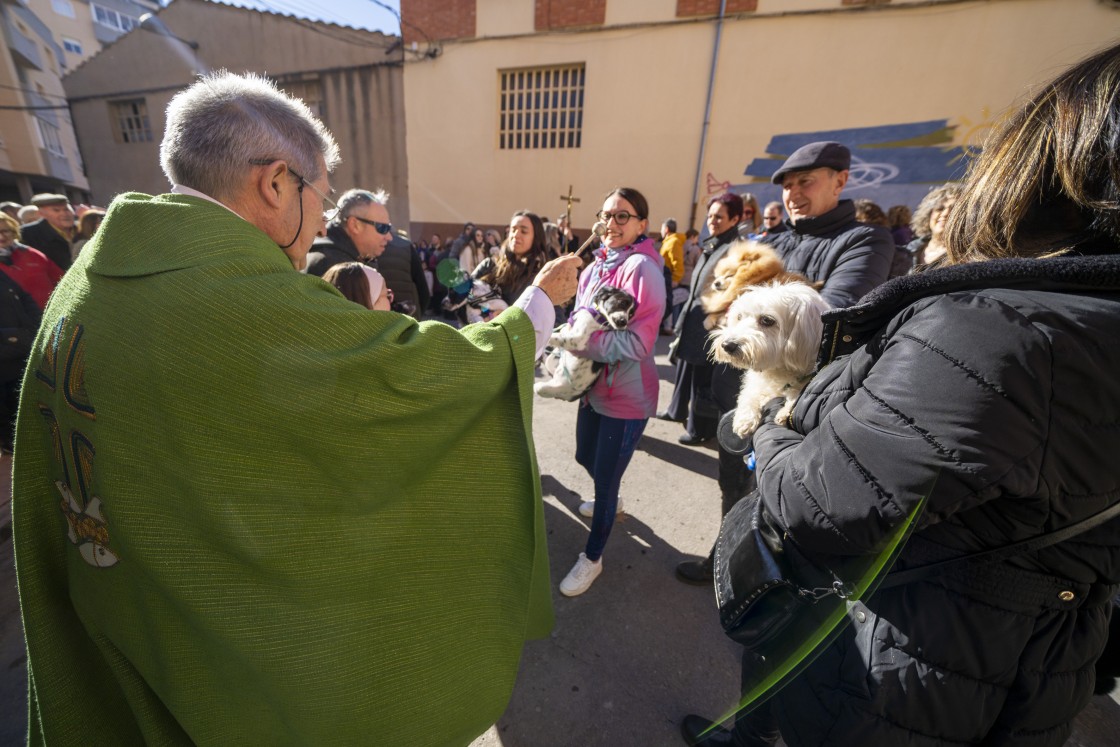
pixel 32 271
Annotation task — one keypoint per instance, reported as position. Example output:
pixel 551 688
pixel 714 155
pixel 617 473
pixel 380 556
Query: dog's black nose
pixel 730 346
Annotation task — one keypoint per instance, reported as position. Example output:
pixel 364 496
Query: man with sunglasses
pixel 246 509
pixel 357 232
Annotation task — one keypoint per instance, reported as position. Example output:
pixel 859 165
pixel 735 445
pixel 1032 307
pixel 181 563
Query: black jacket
pixel 849 257
pixel 19 323
pixel 333 250
pixel 42 236
pixel 692 345
pixel 399 264
pixel 995 383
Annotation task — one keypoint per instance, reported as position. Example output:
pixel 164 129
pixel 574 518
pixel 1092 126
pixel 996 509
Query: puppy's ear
pixel 806 328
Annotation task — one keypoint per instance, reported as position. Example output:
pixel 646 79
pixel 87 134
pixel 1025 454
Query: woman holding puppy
pixel 614 412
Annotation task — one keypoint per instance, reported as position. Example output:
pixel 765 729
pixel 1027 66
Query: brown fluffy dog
pixel 746 263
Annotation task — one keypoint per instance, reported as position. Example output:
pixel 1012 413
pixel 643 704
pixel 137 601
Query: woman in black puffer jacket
pixel 995 379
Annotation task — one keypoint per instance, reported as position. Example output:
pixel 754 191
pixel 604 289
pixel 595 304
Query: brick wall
pixel 439 19
pixel 711 7
pixel 561 14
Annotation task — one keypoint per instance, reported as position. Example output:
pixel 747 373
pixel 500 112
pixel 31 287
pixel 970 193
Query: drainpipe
pixel 707 114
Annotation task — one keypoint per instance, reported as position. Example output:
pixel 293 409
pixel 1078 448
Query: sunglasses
pixel 621 217
pixel 381 227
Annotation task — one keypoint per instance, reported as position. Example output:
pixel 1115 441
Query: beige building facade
pixel 511 101
pixel 42 40
pixel 351 78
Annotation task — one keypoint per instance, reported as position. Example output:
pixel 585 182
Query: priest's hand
pixel 558 278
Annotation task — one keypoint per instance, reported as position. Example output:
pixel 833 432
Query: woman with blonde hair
pixel 751 220
pixel 982 393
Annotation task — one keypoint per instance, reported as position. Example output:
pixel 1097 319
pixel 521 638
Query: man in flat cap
pixel 53 233
pixel 824 241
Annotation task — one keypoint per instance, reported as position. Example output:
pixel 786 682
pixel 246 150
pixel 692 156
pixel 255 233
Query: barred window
pixel 131 121
pixel 541 107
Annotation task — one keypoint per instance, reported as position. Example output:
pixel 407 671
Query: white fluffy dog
pixel 772 332
pixel 572 375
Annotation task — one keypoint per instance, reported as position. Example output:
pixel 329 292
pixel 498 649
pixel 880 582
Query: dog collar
pixel 597 315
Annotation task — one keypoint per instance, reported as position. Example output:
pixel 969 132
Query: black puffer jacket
pixel 333 249
pixel 996 383
pixel 850 257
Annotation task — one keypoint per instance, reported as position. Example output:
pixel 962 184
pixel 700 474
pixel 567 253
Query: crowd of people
pixel 38 243
pixel 196 503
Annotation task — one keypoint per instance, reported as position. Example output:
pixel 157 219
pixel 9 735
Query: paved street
pixel 628 658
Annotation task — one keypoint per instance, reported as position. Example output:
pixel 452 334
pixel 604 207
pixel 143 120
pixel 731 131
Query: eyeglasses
pixel 621 217
pixel 748 213
pixel 381 227
pixel 328 213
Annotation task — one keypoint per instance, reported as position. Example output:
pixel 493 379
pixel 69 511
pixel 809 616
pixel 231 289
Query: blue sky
pixel 364 14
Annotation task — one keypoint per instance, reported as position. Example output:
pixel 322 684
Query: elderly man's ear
pixel 270 182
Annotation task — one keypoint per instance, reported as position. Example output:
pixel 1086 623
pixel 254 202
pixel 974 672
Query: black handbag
pixel 764 584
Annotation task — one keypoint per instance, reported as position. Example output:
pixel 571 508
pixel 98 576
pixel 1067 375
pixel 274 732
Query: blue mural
pixel 891 164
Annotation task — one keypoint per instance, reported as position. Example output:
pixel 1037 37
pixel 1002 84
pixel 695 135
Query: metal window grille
pixel 541 107
pixel 132 124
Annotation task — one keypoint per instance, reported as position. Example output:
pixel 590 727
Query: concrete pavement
pixel 628 658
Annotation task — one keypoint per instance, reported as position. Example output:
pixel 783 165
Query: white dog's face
pixel 776 326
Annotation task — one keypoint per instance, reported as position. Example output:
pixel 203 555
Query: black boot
pixel 697 572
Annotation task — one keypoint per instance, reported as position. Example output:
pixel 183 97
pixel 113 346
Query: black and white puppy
pixel 571 375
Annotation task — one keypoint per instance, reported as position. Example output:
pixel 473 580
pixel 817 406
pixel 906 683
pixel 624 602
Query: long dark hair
pixel 350 279
pixel 1049 178
pixel 511 271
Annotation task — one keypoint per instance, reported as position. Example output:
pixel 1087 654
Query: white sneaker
pixel 582 575
pixel 587 508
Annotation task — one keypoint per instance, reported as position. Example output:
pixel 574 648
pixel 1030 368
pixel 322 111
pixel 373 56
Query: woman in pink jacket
pixel 613 414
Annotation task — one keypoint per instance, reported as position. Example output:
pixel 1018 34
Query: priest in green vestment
pixel 248 511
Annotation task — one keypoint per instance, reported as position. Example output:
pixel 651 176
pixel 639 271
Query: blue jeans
pixel 604 446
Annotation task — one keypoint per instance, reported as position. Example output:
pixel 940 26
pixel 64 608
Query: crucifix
pixel 568 197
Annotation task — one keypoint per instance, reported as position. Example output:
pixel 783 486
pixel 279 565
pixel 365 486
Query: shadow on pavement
pixel 627 658
pixel 701 462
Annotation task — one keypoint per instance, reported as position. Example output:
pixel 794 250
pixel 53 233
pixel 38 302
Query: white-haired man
pixel 359 231
pixel 233 520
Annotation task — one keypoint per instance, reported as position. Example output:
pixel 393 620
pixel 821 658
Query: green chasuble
pixel 248 511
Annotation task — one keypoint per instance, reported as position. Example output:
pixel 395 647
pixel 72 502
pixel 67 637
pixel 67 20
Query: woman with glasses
pixel 613 414
pixel 26 280
pixel 523 255
pixel 28 268
pixel 751 221
pixel 493 242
